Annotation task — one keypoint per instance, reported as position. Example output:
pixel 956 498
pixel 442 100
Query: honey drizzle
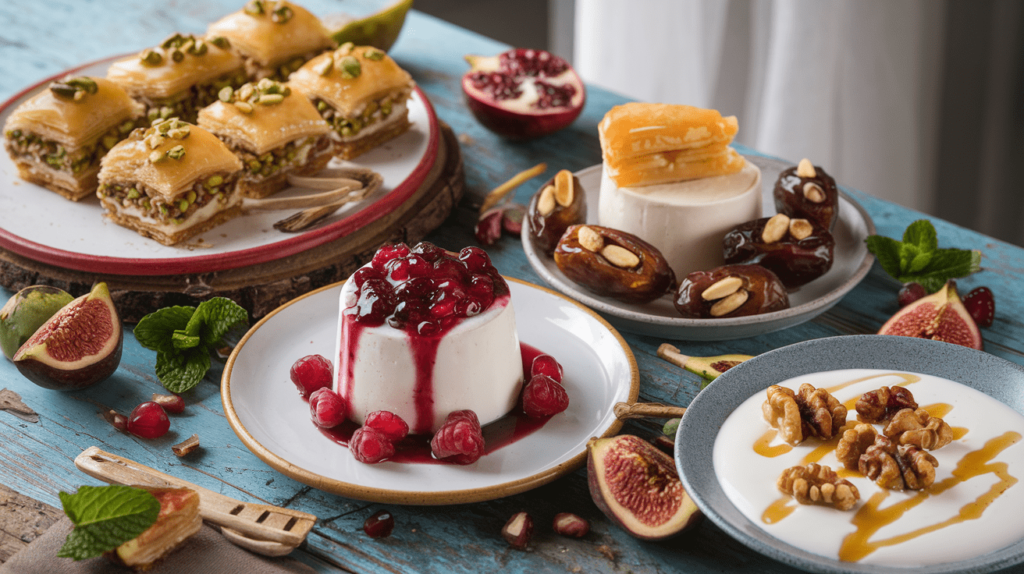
pixel 908 379
pixel 778 510
pixel 762 445
pixel 870 519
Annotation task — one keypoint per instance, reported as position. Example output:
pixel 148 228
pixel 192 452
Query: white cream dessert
pixel 971 508
pixel 423 333
pixel 671 178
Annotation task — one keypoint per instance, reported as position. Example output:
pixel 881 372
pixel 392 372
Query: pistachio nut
pixel 150 57
pixel 244 107
pixel 253 7
pixel 220 41
pixel 214 181
pixel 199 48
pixel 176 152
pixel 177 55
pixel 180 133
pixel 83 82
pixel 157 157
pixel 350 67
pixel 373 54
pixel 345 49
pixel 281 15
pixel 271 99
pixel 63 90
pixel 226 94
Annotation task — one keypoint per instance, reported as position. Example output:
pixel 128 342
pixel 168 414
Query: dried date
pixel 613 263
pixel 796 250
pixel 808 192
pixel 560 203
pixel 730 291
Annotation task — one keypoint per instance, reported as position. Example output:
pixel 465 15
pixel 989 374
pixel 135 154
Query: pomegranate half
pixel 79 346
pixel 940 316
pixel 522 93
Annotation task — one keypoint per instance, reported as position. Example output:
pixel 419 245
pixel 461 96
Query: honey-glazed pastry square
pixel 273 37
pixel 57 137
pixel 180 76
pixel 170 182
pixel 361 92
pixel 273 130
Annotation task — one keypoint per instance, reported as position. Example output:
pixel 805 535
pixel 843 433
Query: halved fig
pixel 637 487
pixel 940 316
pixel 78 347
pixel 179 519
pixel 25 312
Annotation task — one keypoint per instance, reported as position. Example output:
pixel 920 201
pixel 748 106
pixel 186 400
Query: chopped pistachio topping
pixel 151 57
pixel 226 94
pixel 271 99
pixel 345 49
pixel 253 7
pixel 214 181
pixel 176 152
pixel 75 88
pixel 350 67
pixel 83 82
pixel 157 157
pixel 324 68
pixel 220 41
pixel 281 15
pixel 245 107
pixel 373 54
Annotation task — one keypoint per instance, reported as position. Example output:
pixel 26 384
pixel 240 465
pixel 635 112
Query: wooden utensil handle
pixel 257 521
pixel 625 411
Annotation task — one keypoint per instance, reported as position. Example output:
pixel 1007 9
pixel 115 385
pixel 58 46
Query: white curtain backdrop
pixel 851 84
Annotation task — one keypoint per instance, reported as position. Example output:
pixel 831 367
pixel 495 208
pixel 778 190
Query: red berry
pixel 387 253
pixel 544 397
pixel 364 273
pixel 370 446
pixel 389 424
pixel 460 439
pixel 171 403
pixel 475 259
pixel 981 304
pixel 909 293
pixel 326 408
pixel 148 420
pixel 488 228
pixel 379 525
pixel 548 366
pixel 311 373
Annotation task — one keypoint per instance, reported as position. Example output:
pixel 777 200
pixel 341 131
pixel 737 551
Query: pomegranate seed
pixel 909 293
pixel 148 420
pixel 389 424
pixel 364 273
pixel 475 259
pixel 379 525
pixel 981 304
pixel 310 373
pixel 546 365
pixel 428 251
pixel 568 524
pixel 488 227
pixel 518 530
pixel 459 439
pixel 370 446
pixel 326 408
pixel 387 253
pixel 116 420
pixel 544 397
pixel 171 403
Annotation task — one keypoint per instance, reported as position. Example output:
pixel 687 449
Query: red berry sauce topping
pixel 312 373
pixel 148 420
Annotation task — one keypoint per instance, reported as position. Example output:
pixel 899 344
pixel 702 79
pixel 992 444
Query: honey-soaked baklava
pixel 170 182
pixel 274 131
pixel 361 92
pixel 57 137
pixel 180 76
pixel 273 37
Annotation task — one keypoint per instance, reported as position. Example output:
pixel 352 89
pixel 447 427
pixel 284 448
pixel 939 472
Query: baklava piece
pixel 274 131
pixel 58 136
pixel 170 182
pixel 361 92
pixel 180 76
pixel 274 38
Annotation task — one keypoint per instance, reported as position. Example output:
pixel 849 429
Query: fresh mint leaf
pixel 105 517
pixel 918 258
pixel 155 331
pixel 922 235
pixel 182 370
pixel 887 251
pixel 183 340
pixel 214 318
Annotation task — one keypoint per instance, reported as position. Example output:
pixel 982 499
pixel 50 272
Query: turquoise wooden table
pixel 39 39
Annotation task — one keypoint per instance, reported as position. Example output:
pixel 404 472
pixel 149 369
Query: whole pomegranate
pixel 522 93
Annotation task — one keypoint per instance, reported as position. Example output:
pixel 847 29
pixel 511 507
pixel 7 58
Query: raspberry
pixel 326 408
pixel 544 397
pixel 311 373
pixel 459 439
pixel 548 366
pixel 148 420
pixel 370 445
pixel 387 423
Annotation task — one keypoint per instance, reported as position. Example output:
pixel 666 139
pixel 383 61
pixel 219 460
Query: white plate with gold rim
pixel 271 419
pixel 955 548
pixel 659 318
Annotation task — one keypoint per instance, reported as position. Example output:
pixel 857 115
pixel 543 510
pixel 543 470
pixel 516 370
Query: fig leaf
pixel 105 517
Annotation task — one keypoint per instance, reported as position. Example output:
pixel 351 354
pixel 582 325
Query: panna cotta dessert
pixel 424 333
pixel 671 178
pixel 964 505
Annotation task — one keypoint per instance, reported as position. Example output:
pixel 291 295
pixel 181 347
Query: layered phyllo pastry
pixel 274 131
pixel 57 137
pixel 180 76
pixel 361 92
pixel 170 182
pixel 274 38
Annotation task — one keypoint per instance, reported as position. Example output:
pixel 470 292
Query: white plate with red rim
pixel 43 226
pixel 659 318
pixel 268 415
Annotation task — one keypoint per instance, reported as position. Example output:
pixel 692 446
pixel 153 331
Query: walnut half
pixel 818 484
pixel 907 467
pixel 809 412
pixel 853 444
pixel 881 404
pixel 782 412
pixel 918 428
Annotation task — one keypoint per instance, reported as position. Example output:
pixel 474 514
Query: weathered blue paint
pixel 39 39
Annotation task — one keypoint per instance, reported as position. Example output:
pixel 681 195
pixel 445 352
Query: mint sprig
pixel 184 336
pixel 105 517
pixel 919 259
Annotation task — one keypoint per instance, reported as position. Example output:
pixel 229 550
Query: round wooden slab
pixel 263 287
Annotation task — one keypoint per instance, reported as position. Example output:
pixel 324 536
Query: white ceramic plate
pixel 268 415
pixel 660 318
pixel 43 226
